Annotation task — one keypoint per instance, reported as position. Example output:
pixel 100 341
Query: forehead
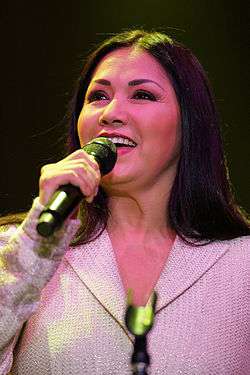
pixel 130 63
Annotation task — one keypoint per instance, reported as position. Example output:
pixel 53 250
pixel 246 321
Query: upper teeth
pixel 122 140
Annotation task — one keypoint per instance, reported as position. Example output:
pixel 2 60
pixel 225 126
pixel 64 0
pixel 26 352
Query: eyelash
pixel 95 96
pixel 150 96
pixel 98 95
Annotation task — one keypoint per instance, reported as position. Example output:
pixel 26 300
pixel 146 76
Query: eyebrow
pixel 135 82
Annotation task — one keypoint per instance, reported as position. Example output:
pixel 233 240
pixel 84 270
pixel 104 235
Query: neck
pixel 144 214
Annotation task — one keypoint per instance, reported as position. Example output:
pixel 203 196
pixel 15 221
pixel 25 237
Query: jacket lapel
pixel 185 266
pixel 95 265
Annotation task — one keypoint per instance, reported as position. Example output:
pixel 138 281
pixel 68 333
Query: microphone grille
pixel 104 151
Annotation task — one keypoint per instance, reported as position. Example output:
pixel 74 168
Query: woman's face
pixel 131 96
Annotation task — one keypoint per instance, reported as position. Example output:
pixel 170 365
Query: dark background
pixel 42 48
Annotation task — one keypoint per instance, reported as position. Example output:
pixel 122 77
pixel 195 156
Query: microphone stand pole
pixel 139 321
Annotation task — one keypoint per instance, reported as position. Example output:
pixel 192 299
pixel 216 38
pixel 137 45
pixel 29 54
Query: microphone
pixel 139 321
pixel 67 197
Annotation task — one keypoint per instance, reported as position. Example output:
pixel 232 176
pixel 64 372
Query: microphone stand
pixel 139 321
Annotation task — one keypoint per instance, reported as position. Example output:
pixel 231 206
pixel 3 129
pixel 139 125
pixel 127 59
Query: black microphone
pixel 67 197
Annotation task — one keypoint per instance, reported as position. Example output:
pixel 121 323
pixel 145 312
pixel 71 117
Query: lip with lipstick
pixel 123 143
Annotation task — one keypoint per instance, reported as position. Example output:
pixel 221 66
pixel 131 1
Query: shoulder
pixel 237 255
pixel 16 218
pixel 6 231
pixel 9 224
pixel 240 245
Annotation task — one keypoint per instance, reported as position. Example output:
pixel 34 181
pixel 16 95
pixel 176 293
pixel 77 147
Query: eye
pixel 144 95
pixel 96 96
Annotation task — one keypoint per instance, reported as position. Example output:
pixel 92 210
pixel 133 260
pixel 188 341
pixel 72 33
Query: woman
pixel 164 219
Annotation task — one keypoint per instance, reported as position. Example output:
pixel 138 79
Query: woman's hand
pixel 79 169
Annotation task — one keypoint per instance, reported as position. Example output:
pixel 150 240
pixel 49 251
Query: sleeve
pixel 27 263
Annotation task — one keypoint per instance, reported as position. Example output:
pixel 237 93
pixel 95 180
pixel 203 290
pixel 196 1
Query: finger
pixel 85 174
pixel 50 183
pixel 91 198
pixel 83 169
pixel 81 154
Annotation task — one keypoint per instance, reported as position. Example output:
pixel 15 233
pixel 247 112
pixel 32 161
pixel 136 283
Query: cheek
pixel 166 145
pixel 171 138
pixel 158 115
pixel 85 126
pixel 164 134
pixel 163 124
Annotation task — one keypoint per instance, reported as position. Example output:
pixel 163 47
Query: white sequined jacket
pixel 73 304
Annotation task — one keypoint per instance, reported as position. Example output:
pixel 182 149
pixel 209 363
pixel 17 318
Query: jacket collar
pixel 95 265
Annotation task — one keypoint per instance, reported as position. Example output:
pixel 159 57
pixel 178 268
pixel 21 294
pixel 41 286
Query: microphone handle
pixel 60 206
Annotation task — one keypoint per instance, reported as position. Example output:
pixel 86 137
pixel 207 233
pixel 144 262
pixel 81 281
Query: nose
pixel 114 113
